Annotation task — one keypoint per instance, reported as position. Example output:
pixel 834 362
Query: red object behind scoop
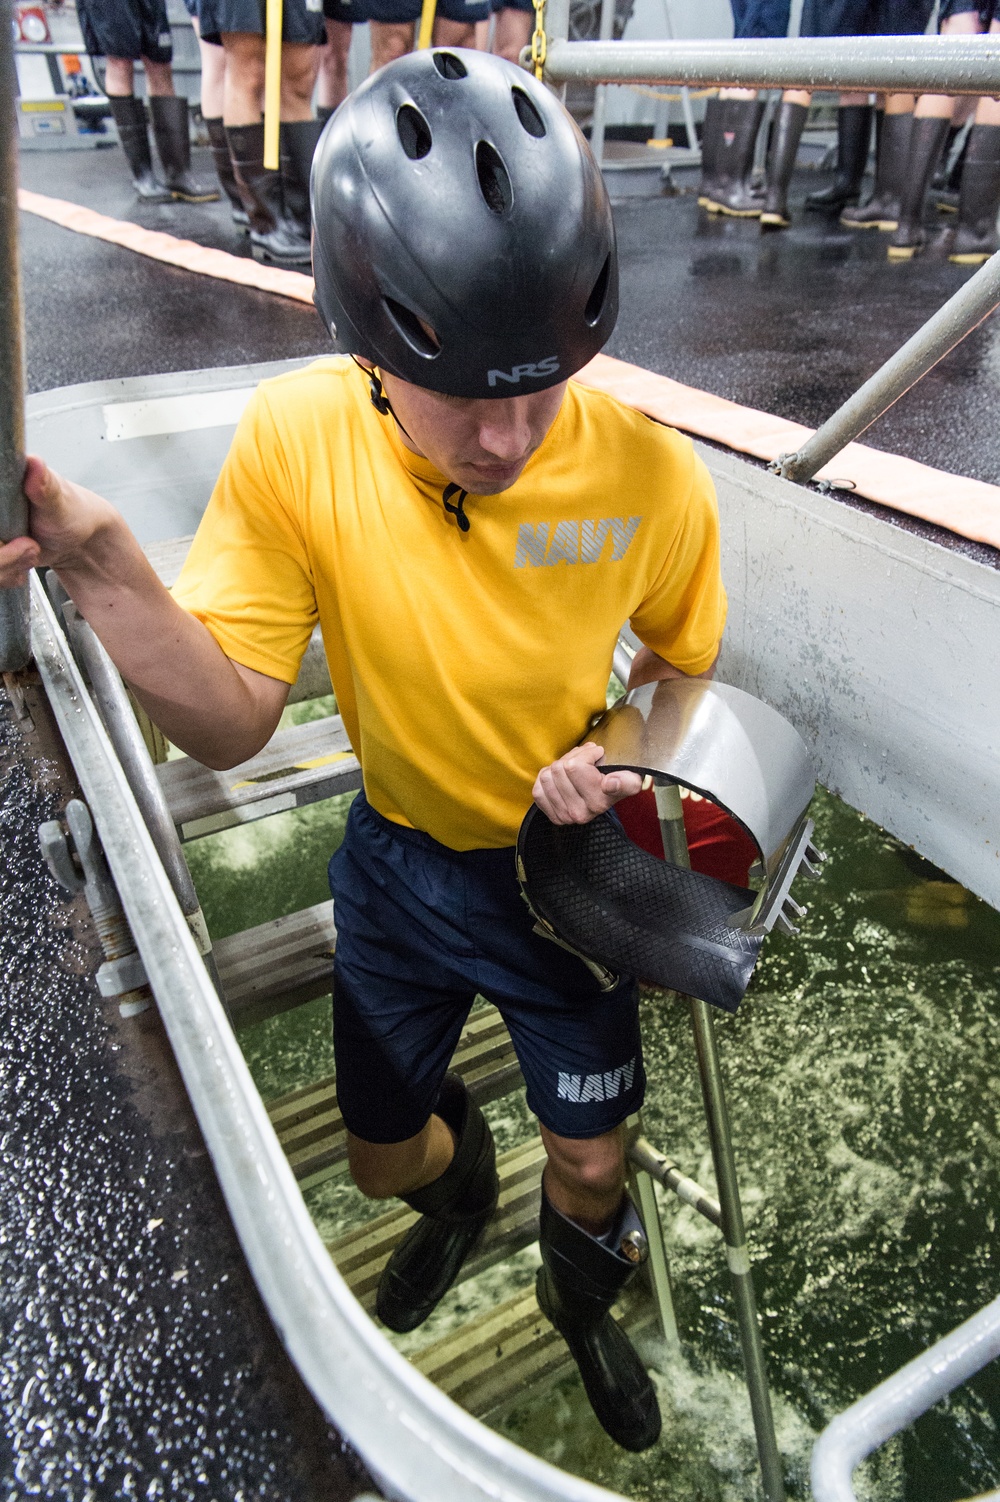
pixel 718 846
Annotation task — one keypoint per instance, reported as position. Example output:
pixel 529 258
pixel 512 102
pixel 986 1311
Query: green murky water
pixel 864 1087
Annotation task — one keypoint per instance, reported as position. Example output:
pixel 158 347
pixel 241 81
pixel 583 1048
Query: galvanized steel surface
pixel 13 507
pixel 419 1444
pixel 956 65
pixel 963 312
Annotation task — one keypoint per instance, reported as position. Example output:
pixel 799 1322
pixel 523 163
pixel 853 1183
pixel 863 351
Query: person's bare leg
pixel 119 77
pixel 454 33
pixel 243 88
pixel 159 79
pixel 585 1177
pixel 482 36
pixel 512 32
pixel 384 1169
pixel 299 66
pixel 390 39
pixel 332 88
pixel 213 75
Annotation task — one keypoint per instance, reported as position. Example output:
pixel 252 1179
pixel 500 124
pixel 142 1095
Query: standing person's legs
pixel 169 114
pixel 123 31
pixel 975 236
pixel 732 121
pixel 332 88
pixel 512 28
pixel 854 129
pixel 932 118
pixel 213 87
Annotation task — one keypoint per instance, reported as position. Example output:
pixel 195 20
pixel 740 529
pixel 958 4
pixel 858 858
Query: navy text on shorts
pixel 421 930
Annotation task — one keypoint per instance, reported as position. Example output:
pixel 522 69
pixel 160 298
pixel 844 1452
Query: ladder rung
pixel 278 965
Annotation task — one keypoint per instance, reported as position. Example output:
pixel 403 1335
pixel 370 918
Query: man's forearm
pixel 172 663
pixel 647 667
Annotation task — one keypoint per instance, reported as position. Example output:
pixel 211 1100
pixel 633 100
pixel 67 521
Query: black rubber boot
pixel 578 1281
pixel 947 184
pixel 781 164
pixel 882 209
pixel 455 1210
pixel 926 142
pixel 299 139
pixel 273 237
pixel 323 113
pixel 976 235
pixel 854 130
pixel 171 131
pixel 709 187
pixel 732 192
pixel 129 115
pixel 224 170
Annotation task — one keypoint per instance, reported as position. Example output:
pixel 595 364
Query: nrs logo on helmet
pixel 536 371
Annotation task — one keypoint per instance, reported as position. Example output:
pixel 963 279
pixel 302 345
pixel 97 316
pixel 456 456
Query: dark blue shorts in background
pixel 126 28
pixel 760 18
pixel 421 930
pixel 301 20
pixel 862 18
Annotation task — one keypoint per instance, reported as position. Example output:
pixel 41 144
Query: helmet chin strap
pixel 382 405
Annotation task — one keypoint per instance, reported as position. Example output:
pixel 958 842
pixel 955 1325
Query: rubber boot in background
pixel 708 186
pixel 579 1280
pixel 926 142
pixel 172 134
pixel 854 129
pixel 224 170
pixel 947 182
pixel 273 237
pixel 454 1209
pixel 976 233
pixel 129 115
pixel 299 139
pixel 733 192
pixel 882 209
pixel 785 139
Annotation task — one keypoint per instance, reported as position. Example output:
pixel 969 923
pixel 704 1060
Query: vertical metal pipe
pixel 15 648
pixel 671 814
pixel 658 1268
pixel 601 92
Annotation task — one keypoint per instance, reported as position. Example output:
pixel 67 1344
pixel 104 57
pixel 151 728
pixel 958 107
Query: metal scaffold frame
pixel 14 643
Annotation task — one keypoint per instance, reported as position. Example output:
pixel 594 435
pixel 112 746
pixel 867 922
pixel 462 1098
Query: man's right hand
pixel 63 518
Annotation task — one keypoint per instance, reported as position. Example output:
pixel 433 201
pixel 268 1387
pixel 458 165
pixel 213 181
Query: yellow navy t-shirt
pixel 463 662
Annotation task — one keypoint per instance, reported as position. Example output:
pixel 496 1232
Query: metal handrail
pixel 952 64
pixel 14 642
pixel 963 312
pixel 901 1398
pixel 416 1442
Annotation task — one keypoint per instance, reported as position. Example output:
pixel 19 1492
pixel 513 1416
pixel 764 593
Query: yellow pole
pixel 272 85
pixel 426 33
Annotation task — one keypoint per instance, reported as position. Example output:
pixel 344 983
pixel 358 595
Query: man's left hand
pixel 573 791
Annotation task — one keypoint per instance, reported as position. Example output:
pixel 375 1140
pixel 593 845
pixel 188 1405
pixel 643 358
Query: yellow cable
pixel 272 86
pixel 426 33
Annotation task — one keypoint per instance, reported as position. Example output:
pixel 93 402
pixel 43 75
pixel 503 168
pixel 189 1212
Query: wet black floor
pixel 789 322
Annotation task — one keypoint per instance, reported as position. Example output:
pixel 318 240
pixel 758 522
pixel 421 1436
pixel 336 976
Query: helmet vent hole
pixel 599 295
pixel 494 179
pixel 413 131
pixel 527 113
pixel 450 66
pixel 418 334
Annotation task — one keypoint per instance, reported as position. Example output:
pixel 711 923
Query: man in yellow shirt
pixel 471 530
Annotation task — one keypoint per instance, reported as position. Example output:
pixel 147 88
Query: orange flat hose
pixel 969 507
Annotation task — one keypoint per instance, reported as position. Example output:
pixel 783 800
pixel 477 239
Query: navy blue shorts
pixel 760 18
pixel 421 930
pixel 302 20
pixel 351 12
pixel 126 28
pixel 861 18
pixel 395 12
pixel 987 9
pixel 527 5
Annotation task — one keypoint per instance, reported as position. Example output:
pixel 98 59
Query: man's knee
pixel 299 65
pixel 594 1164
pixel 384 1169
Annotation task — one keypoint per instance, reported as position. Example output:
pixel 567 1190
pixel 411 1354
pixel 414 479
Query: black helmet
pixel 462 234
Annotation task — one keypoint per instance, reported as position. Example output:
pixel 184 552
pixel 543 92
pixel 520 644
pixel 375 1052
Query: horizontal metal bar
pixel 962 313
pixel 944 65
pixel 659 1167
pixel 417 1443
pixel 899 1400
